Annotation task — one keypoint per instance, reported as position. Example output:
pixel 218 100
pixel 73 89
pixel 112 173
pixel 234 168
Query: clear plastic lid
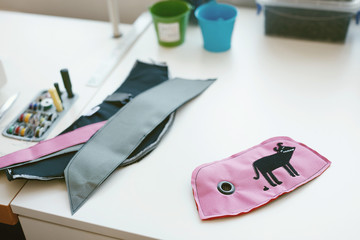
pixel 329 5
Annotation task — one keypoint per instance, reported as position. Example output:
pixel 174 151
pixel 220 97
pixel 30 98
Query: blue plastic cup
pixel 216 21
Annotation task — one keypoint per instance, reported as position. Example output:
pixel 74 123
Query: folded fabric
pixel 51 164
pixel 123 133
pixel 254 177
pixel 44 148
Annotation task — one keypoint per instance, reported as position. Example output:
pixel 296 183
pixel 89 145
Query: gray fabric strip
pixel 118 97
pixel 114 142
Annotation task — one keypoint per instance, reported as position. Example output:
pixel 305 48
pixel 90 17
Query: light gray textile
pixel 118 97
pixel 114 142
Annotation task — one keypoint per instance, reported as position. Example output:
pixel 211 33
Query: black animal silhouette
pixel 269 163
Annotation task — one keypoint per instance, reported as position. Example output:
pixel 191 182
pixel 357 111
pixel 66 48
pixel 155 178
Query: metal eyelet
pixel 226 187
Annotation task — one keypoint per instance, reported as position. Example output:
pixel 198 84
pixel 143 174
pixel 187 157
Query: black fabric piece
pixel 11 232
pixel 53 167
pixel 142 77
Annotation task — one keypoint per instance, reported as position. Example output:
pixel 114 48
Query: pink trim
pixel 52 145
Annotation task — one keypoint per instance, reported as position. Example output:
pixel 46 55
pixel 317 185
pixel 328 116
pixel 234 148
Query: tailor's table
pixel 33 49
pixel 266 87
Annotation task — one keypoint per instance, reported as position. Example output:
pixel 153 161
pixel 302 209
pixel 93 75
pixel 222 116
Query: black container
pixel 320 23
pixel 195 4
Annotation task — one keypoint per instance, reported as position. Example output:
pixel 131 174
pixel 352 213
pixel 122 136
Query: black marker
pixel 56 85
pixel 67 83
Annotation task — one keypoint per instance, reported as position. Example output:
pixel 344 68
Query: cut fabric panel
pixel 123 133
pixel 254 177
pixel 142 77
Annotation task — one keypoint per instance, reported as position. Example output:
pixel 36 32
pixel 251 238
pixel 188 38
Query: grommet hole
pixel 226 187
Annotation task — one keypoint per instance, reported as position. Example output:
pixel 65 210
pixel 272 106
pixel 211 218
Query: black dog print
pixel 269 163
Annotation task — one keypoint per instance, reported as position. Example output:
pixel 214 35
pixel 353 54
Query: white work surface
pixel 266 87
pixel 33 49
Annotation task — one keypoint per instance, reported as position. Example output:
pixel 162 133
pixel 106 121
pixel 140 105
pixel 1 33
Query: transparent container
pixel 325 20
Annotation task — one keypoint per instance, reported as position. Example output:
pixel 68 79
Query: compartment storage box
pixel 325 20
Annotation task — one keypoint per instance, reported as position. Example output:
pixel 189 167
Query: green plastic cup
pixel 170 20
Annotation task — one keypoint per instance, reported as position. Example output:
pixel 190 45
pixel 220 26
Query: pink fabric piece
pixel 43 148
pixel 251 193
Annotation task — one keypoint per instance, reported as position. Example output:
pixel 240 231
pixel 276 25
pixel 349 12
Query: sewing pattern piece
pixel 254 177
pixel 123 133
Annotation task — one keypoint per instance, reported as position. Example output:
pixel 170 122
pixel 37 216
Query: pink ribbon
pixel 43 148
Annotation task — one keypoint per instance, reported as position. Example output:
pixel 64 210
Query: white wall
pixel 88 9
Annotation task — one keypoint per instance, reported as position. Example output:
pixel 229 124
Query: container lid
pixel 329 5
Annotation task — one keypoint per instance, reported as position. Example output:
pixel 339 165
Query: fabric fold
pixel 122 134
pixel 142 77
pixel 43 148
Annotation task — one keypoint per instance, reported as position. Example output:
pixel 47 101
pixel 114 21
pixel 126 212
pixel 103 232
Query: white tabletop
pixel 266 87
pixel 33 49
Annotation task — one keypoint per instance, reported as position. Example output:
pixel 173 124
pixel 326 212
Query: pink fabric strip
pixel 52 145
